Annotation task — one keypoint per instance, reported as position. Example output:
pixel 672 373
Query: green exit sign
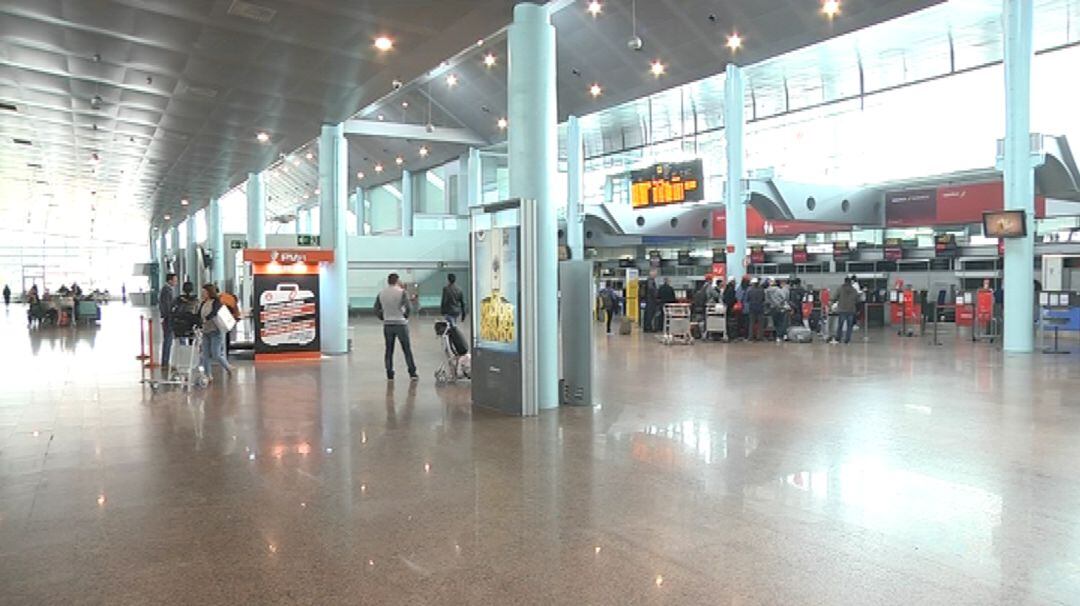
pixel 305 240
pixel 238 244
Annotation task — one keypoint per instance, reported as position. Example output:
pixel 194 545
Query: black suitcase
pixel 457 341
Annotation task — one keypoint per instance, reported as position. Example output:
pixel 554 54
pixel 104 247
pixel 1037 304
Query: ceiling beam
pixel 394 130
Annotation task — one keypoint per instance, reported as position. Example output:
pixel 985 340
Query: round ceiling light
pixel 310 156
pixel 378 168
pixel 168 217
pixel 831 8
pixel 502 123
pixel 595 90
pixel 184 202
pixel 595 8
pixel 423 151
pixel 452 80
pixel 262 137
pixel 657 68
pixel 360 175
pixel 734 42
pixel 383 44
pixel 399 160
pixel 490 60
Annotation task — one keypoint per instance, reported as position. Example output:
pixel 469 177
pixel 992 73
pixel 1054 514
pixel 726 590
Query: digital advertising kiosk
pixel 285 306
pixel 504 364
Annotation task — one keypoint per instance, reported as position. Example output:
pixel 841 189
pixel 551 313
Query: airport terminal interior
pixel 552 302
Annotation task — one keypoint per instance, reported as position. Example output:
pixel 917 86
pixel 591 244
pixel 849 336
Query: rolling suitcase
pixel 800 334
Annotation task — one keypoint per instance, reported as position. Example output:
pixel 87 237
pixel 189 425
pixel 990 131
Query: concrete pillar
pixel 474 179
pixel 1019 276
pixel 533 159
pixel 734 197
pixel 408 203
pixel 174 247
pixel 216 242
pixel 575 177
pixel 333 286
pixel 163 248
pixel 359 210
pixel 191 254
pixel 256 211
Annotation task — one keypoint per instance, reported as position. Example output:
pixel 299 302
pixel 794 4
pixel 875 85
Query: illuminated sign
pixel 667 183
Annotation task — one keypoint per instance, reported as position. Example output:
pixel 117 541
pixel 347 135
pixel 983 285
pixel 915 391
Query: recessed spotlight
pixel 490 60
pixel 405 104
pixel 360 175
pixel 594 8
pixel 595 90
pixel 423 151
pixel 480 42
pixel 310 156
pixel 451 80
pixel 502 123
pixel 168 217
pixel 262 137
pixel 657 68
pixel 831 8
pixel 381 117
pixel 383 44
pixel 378 168
pixel 734 41
pixel 184 202
pixel 399 160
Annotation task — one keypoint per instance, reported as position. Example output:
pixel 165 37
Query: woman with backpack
pixel 608 303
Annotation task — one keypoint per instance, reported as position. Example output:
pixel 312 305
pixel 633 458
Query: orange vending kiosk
pixel 286 302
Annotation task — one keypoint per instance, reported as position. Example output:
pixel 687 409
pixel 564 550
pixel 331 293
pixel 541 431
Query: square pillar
pixel 333 279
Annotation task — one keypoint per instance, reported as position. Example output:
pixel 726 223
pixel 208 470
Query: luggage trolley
pixel 185 371
pixel 458 362
pixel 677 324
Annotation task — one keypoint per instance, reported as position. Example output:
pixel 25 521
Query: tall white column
pixel 575 176
pixel 216 242
pixel 333 280
pixel 174 248
pixel 163 247
pixel 474 180
pixel 256 207
pixel 734 197
pixel 408 203
pixel 360 211
pixel 191 252
pixel 1019 276
pixel 533 146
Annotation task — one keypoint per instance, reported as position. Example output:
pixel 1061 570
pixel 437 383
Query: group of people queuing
pixel 184 312
pixel 753 301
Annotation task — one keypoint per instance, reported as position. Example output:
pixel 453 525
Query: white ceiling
pixel 169 94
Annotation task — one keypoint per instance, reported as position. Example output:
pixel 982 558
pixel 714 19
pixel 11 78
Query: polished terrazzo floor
pixel 884 472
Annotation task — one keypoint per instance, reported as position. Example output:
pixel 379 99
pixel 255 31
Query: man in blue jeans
pixel 847 298
pixel 165 305
pixel 392 307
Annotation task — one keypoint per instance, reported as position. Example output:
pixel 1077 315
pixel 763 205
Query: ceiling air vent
pixel 248 10
pixel 8 107
pixel 22 141
pixel 201 91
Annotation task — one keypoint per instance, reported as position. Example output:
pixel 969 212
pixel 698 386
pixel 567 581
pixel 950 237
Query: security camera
pixel 397 84
pixel 635 43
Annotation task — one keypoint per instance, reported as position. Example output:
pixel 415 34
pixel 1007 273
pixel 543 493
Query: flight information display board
pixel 667 183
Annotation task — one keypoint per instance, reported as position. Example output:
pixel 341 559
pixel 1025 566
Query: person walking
pixel 732 310
pixel 392 307
pixel 652 295
pixel 607 301
pixel 744 316
pixel 453 301
pixel 7 295
pixel 213 338
pixel 847 297
pixel 165 305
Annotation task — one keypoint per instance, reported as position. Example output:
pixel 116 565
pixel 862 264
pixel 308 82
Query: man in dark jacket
pixel 755 303
pixel 795 297
pixel 165 305
pixel 847 298
pixel 652 294
pixel 453 301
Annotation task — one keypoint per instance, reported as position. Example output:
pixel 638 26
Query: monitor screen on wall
pixel 1005 224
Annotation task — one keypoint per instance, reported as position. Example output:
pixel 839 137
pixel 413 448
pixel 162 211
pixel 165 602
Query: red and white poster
pixel 286 313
